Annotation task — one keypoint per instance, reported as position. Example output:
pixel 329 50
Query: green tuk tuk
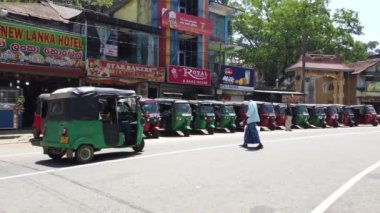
pixel 82 120
pixel 175 115
pixel 203 116
pixel 225 116
pixel 317 115
pixel 300 115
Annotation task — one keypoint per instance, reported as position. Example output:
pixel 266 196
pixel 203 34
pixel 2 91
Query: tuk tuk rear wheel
pixel 56 155
pixel 139 147
pixel 375 123
pixel 84 154
pixel 232 130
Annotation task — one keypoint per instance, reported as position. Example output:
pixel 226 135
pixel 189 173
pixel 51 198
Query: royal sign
pixel 237 78
pixel 32 45
pixel 189 75
pixel 186 23
pixel 109 69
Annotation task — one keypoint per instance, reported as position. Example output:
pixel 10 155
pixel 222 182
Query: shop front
pixel 141 78
pixel 236 83
pixel 187 83
pixel 36 60
pixel 371 95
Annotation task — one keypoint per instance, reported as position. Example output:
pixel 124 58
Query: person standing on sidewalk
pixel 289 115
pixel 251 135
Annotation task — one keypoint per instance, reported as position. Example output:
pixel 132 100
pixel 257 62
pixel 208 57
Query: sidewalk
pixel 15 136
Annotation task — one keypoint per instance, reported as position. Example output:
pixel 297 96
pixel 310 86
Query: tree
pixel 274 33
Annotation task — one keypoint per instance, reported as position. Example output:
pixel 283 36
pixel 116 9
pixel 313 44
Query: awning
pixel 42 70
pixel 279 92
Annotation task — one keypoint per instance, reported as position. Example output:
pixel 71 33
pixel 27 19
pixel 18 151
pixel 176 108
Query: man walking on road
pixel 288 121
pixel 251 135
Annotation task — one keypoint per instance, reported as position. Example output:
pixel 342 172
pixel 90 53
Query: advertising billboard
pixel 189 75
pixel 186 23
pixel 104 69
pixel 32 45
pixel 237 78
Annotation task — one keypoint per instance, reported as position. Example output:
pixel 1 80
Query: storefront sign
pixel 189 75
pixel 110 50
pixel 186 23
pixel 32 45
pixel 100 68
pixel 237 78
pixel 373 86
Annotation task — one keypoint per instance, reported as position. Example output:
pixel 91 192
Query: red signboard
pixel 186 23
pixel 189 75
pixel 100 68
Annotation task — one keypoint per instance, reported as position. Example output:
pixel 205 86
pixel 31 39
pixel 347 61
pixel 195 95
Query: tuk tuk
pixel 40 115
pixel 317 115
pixel 175 115
pixel 151 113
pixel 225 116
pixel 203 116
pixel 332 115
pixel 347 116
pixel 280 108
pixel 241 109
pixel 365 114
pixel 82 120
pixel 267 115
pixel 300 115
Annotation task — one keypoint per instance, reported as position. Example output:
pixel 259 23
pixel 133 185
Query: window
pixel 181 58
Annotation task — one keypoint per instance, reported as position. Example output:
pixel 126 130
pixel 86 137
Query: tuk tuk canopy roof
pixel 91 92
pixel 44 96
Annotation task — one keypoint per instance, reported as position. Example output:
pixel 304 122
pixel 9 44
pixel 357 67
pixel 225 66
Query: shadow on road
pixel 65 162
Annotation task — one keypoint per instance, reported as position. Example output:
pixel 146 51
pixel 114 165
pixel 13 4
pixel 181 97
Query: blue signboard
pixel 237 78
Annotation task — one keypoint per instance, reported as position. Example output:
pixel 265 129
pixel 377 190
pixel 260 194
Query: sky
pixel 369 16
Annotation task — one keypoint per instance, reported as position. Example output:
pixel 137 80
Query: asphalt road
pixel 325 170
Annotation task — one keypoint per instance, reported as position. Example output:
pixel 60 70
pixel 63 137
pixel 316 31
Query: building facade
pixel 324 79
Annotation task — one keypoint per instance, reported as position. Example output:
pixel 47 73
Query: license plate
pixel 64 139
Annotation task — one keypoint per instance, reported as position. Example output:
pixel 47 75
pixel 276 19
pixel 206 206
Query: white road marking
pixel 19 154
pixel 170 153
pixel 335 196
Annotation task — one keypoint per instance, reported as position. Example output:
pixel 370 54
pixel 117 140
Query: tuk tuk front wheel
pixel 84 154
pixel 156 134
pixel 139 147
pixel 210 131
pixel 375 123
pixel 36 134
pixel 186 132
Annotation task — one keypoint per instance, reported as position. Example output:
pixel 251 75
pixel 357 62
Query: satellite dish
pixel 3 12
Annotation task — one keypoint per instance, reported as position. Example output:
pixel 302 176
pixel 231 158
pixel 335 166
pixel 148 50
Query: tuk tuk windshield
pixel 370 109
pixel 268 108
pixel 206 109
pixel 228 109
pixel 348 111
pixel 319 110
pixel 151 107
pixel 302 109
pixel 182 107
pixel 332 110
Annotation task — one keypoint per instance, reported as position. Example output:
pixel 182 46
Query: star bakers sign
pixel 189 75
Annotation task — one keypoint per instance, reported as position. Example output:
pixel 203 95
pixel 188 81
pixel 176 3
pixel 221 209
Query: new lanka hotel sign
pixel 109 69
pixel 237 78
pixel 189 75
pixel 32 45
pixel 186 23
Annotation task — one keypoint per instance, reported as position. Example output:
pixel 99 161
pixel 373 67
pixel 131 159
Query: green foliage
pixel 274 33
